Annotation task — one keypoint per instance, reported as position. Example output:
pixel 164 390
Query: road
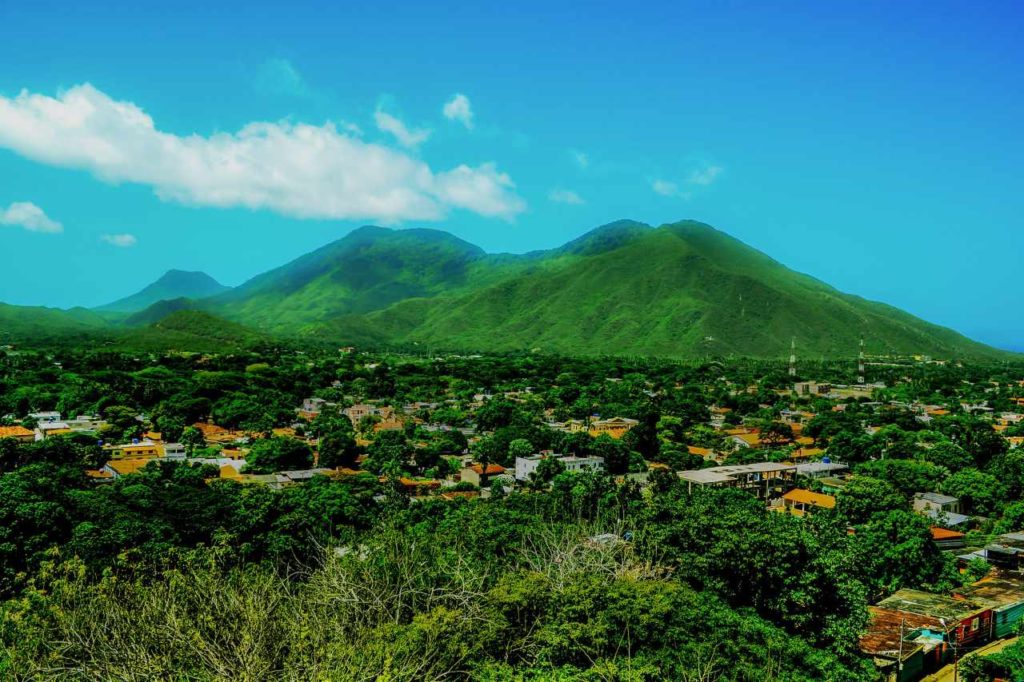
pixel 946 674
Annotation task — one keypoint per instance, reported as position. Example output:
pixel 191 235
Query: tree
pixel 908 476
pixel 520 447
pixel 547 469
pixel 949 455
pixel 337 446
pixel 865 496
pixel 773 433
pixel 615 453
pixel 390 454
pixel 193 439
pixel 980 493
pixel 269 455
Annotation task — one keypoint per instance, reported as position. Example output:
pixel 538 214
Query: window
pixel 974 625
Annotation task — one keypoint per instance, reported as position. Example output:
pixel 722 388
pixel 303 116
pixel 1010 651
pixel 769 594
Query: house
pixel 746 440
pixel 1006 552
pixel 356 413
pixel 18 433
pixel 476 473
pixel 45 417
pixel 135 450
pixel 1004 594
pixel 888 640
pixel 705 453
pixel 575 464
pixel 963 621
pixel 800 501
pixel 525 466
pixel 947 539
pixel 822 469
pixel 616 427
pixel 936 502
pixel 419 486
pixel 174 451
pixel 117 468
pixel 947 519
pixel 811 388
pixel 85 422
pixel 388 425
pixel 313 405
pixel 764 479
pixel 99 475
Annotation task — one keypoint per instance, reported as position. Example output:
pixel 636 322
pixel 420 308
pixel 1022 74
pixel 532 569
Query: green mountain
pixel 172 285
pixel 367 270
pixel 680 290
pixel 27 323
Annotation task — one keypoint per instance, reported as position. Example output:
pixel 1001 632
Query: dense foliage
pixel 174 573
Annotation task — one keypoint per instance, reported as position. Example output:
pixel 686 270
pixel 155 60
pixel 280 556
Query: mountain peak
pixel 173 284
pixel 605 238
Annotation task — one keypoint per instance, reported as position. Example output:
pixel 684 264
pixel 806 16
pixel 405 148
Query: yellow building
pixel 616 427
pixel 143 450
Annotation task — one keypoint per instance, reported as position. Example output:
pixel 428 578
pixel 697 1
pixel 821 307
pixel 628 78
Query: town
pixel 921 458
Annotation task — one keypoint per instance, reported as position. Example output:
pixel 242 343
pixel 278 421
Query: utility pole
pixel 899 659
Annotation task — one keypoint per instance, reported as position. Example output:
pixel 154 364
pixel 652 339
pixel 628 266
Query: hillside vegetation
pixel 684 290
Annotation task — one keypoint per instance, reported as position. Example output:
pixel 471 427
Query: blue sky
pixel 876 146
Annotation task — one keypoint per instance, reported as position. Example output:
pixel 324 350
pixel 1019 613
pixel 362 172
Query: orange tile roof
pixel 703 452
pixel 455 494
pixel 15 432
pixel 492 469
pixel 413 483
pixel 96 473
pixel 125 467
pixel 802 496
pixel 944 534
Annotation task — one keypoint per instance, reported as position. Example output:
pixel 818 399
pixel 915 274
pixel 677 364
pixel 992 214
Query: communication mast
pixel 792 357
pixel 860 363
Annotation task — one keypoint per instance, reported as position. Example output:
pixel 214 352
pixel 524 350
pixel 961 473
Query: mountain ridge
pixel 683 289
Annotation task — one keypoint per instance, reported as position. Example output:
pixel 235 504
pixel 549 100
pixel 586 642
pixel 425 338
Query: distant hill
pixel 681 290
pixel 26 323
pixel 172 285
pixel 191 330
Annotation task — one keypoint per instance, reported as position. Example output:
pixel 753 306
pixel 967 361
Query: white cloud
pixel 565 196
pixel 406 137
pixel 295 169
pixel 665 188
pixel 122 240
pixel 279 77
pixel 29 216
pixel 704 176
pixel 458 108
pixel 581 159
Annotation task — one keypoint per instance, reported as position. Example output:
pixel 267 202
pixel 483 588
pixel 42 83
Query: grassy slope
pixel 681 290
pixel 369 269
pixel 21 323
pixel 191 330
